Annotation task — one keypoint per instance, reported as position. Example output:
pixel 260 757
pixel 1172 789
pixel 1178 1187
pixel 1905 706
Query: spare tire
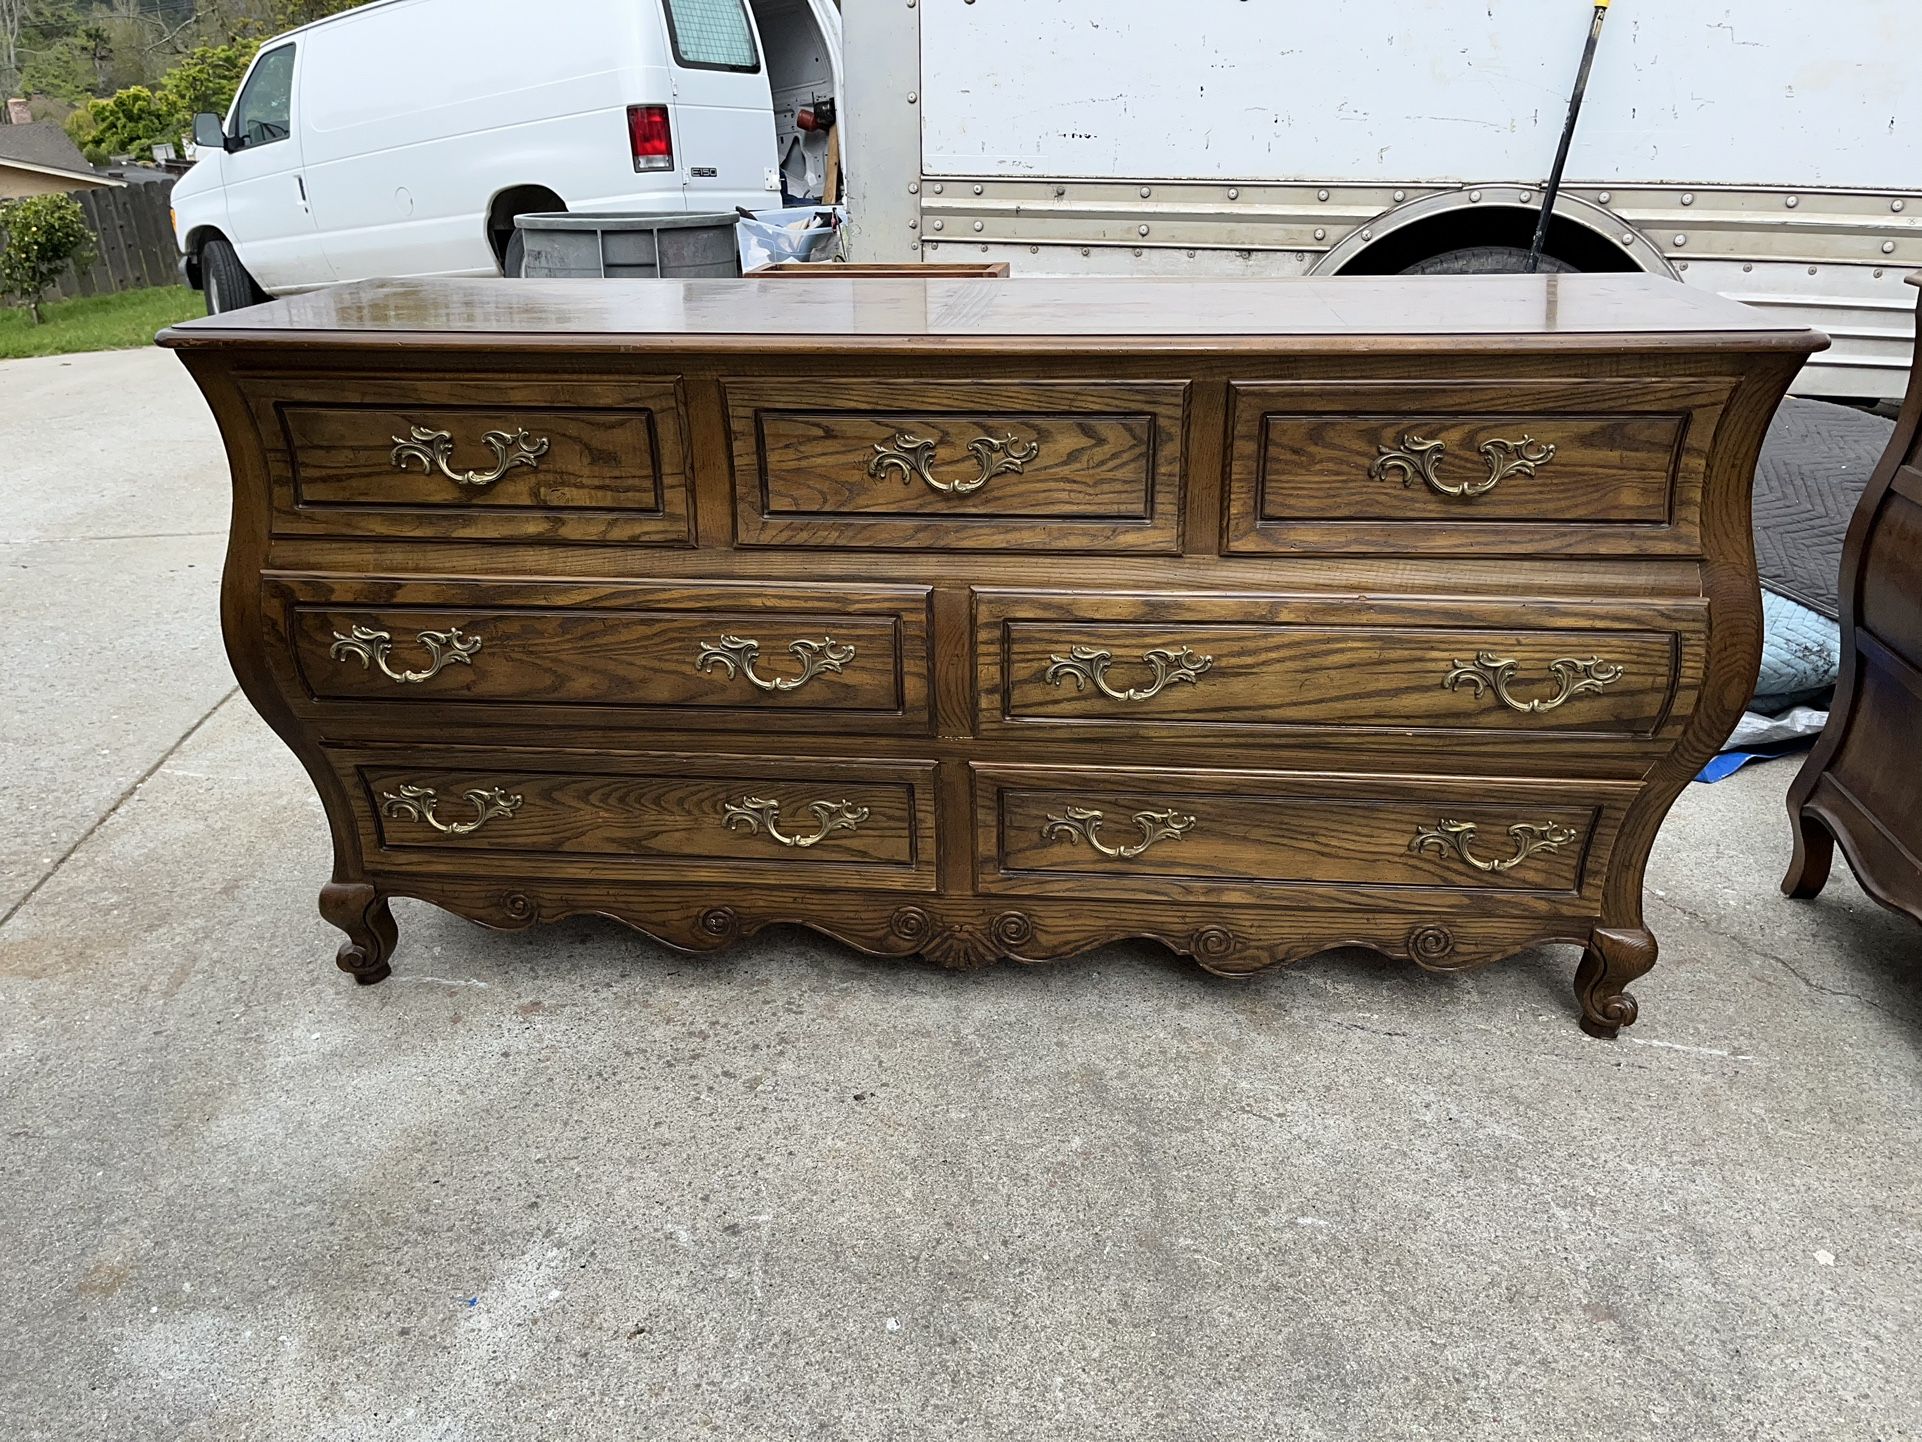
pixel 1484 260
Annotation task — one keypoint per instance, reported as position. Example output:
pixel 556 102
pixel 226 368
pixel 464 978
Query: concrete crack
pixel 1808 981
pixel 119 801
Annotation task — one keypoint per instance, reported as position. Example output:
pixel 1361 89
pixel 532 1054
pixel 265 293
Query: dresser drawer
pixel 482 458
pixel 659 817
pixel 1146 666
pixel 995 465
pixel 1470 468
pixel 712 653
pixel 1240 835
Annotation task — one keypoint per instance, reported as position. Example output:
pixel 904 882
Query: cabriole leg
pixel 360 911
pixel 1814 850
pixel 1614 958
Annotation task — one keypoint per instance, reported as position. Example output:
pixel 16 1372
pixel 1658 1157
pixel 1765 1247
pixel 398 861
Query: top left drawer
pixel 483 458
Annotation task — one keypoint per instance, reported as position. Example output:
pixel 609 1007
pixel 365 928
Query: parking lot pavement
pixel 565 1182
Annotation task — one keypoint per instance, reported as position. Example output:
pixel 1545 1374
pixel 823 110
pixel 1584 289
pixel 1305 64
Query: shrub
pixel 39 236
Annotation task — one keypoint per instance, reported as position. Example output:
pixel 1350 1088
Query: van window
pixel 712 35
pixel 264 112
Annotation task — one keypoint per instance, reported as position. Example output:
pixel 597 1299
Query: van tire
pixel 515 260
pixel 1485 260
pixel 225 279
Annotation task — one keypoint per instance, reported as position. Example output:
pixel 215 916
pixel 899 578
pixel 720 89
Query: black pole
pixel 1554 185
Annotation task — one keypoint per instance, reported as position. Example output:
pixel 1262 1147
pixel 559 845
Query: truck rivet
pixel 977 225
pixel 1059 191
pixel 1141 230
pixel 1400 196
pixel 1748 265
pixel 1811 270
pixel 1191 255
pixel 1474 195
pixel 1627 238
pixel 940 189
pixel 1681 240
pixel 1878 272
pixel 1603 197
pixel 1681 265
pixel 1320 234
pixel 912 97
pixel 940 225
pixel 1034 250
pixel 1137 250
pixel 1234 193
pixel 1146 192
pixel 1791 202
pixel 1084 250
pixel 914 187
pixel 1321 195
pixel 977 190
pixel 1895 205
pixel 1688 198
pixel 1888 247
pixel 914 225
pixel 1368 235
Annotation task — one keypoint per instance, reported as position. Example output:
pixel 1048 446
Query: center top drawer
pixel 1003 465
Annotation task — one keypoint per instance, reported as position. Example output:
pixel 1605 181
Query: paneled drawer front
pixel 1473 468
pixel 660 817
pixel 494 457
pixel 840 658
pixel 994 465
pixel 1171 666
pixel 1240 835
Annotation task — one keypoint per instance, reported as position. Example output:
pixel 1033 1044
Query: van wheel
pixel 1485 260
pixel 225 279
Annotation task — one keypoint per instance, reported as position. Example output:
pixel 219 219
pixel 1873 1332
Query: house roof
pixel 44 146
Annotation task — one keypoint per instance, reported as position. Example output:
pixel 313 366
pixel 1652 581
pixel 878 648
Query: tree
pixel 129 122
pixel 41 235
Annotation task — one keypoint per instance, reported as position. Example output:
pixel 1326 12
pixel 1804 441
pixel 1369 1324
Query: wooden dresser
pixel 1857 785
pixel 1002 617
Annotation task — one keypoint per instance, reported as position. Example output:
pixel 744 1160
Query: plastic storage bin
pixel 620 245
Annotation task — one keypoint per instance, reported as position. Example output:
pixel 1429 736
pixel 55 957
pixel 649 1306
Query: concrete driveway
pixel 565 1183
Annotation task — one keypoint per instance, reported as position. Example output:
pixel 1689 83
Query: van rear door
pixel 269 219
pixel 723 110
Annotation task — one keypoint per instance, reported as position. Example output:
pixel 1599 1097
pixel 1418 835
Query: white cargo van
pixel 402 138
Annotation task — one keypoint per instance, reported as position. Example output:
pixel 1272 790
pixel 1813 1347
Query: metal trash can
pixel 615 245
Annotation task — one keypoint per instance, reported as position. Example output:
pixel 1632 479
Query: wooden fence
pixel 133 241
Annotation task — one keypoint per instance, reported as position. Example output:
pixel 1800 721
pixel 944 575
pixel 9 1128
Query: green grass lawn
pixel 96 322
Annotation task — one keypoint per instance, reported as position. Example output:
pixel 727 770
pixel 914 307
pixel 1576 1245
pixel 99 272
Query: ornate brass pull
pixel 1458 836
pixel 1083 823
pixel 757 813
pixel 417 803
pixel 371 647
pixel 433 449
pixel 913 457
pixel 1086 665
pixel 1418 458
pixel 1577 676
pixel 738 655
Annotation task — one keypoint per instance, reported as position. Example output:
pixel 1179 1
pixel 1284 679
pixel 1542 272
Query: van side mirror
pixel 208 133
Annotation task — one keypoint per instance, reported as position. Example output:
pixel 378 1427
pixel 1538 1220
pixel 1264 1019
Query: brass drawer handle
pixel 913 457
pixel 757 813
pixel 1577 676
pixel 1083 823
pixel 738 654
pixel 371 648
pixel 1416 457
pixel 1458 836
pixel 417 803
pixel 1085 665
pixel 433 449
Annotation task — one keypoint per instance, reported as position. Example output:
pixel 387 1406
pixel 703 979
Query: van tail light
pixel 649 137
